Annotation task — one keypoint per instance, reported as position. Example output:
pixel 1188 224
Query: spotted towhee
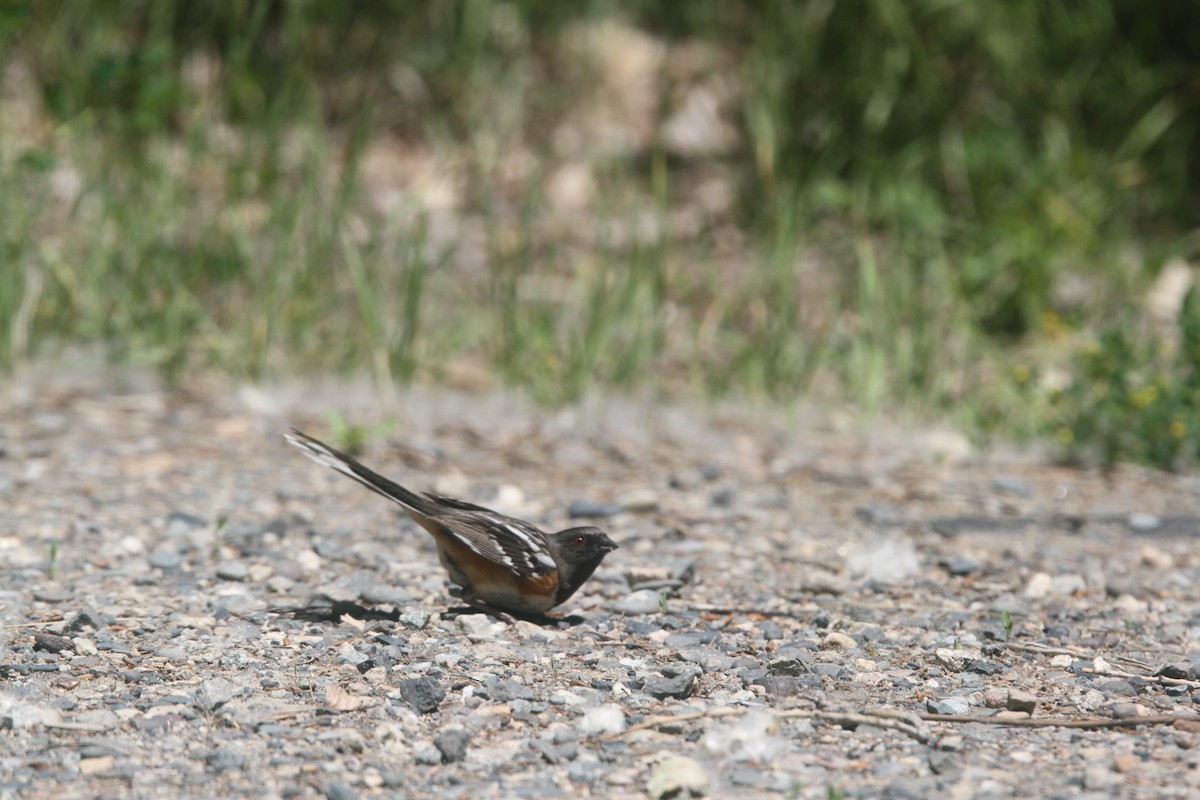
pixel 497 563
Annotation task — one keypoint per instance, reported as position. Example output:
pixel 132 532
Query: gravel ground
pixel 799 608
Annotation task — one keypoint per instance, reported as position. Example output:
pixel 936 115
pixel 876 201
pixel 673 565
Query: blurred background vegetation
pixel 981 211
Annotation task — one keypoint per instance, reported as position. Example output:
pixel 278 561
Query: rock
pixel 781 685
pixel 835 640
pixel 957 706
pixel 424 694
pixel 788 665
pixel 821 582
pixel 214 693
pixel 232 571
pixel 953 659
pixel 878 514
pixel 87 618
pixel 592 509
pixel 643 601
pixel 1010 484
pixel 1126 762
pixel 640 499
pixel 339 790
pixel 52 594
pixel 887 560
pixel 225 759
pixel 602 720
pixel 414 619
pixel 480 627
pixel 50 643
pixel 962 565
pixel 1144 522
pixel 982 666
pixel 1126 710
pixel 507 690
pixel 723 496
pixel 677 776
pixel 1021 700
pixel 679 687
pixel 165 560
pixel 428 755
pixel 183 520
pixel 452 744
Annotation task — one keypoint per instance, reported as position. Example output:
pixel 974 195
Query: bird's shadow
pixel 325 610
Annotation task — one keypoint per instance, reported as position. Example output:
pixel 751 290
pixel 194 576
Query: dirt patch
pixel 191 608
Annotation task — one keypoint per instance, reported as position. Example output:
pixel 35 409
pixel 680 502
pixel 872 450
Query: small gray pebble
pixel 948 705
pixel 185 520
pixel 1119 687
pixel 771 631
pixel 428 755
pixel 961 565
pixel 214 693
pixel 708 659
pixel 878 514
pixel 88 618
pixel 779 685
pixel 166 560
pixel 679 687
pixel 507 690
pixel 643 601
pixel 910 789
pixel 787 665
pixel 943 763
pixel 723 496
pixel 981 666
pixel 225 760
pixel 232 571
pixel 381 595
pixel 339 790
pixel 416 620
pixel 352 657
pixel 52 594
pixel 592 509
pixel 1011 484
pixel 586 772
pixel 1144 521
pixel 679 641
pixel 452 744
pixel 424 694
pixel 1124 710
pixel 827 670
pixel 276 525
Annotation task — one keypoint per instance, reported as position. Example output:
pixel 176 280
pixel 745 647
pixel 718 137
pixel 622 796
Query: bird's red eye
pixel 579 541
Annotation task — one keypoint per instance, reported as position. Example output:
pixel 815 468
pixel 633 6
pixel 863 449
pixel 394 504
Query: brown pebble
pixel 1126 762
pixel 1021 700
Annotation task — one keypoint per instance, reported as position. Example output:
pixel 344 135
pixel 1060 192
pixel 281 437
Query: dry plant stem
pixel 903 721
pixel 1065 722
pixel 909 723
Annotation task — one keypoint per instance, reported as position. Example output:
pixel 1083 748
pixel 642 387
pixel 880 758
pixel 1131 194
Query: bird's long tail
pixel 322 453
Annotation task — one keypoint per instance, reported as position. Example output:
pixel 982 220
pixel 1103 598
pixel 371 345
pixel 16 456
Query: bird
pixel 501 565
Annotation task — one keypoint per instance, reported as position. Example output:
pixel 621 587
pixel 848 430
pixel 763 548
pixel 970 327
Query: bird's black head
pixel 579 551
pixel 585 543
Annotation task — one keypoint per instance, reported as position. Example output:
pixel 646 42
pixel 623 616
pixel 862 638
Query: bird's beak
pixel 609 544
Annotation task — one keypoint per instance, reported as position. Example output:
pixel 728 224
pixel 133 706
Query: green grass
pixel 916 188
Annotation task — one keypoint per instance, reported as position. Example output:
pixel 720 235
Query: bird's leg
pixel 459 593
